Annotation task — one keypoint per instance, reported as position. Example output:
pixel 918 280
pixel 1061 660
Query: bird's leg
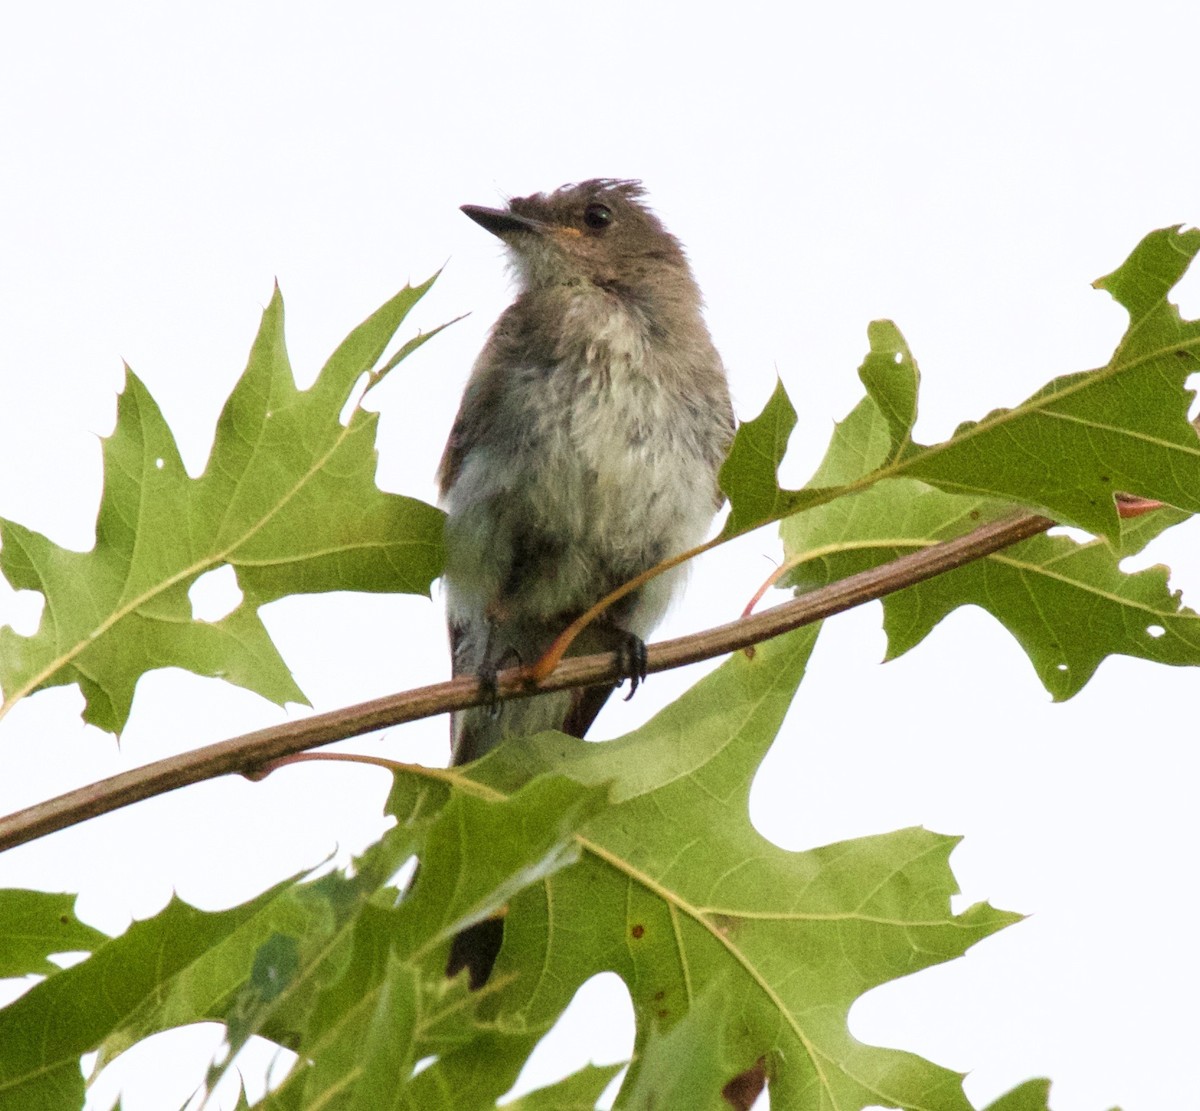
pixel 490 668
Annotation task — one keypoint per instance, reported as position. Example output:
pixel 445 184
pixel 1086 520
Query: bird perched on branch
pixel 585 450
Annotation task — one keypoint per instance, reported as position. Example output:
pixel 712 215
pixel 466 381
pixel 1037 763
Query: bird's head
pixel 597 233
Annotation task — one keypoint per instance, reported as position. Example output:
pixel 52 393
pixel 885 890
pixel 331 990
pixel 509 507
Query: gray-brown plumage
pixel 585 450
pixel 587 444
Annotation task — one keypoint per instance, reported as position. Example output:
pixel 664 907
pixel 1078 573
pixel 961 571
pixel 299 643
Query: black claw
pixel 632 661
pixel 487 678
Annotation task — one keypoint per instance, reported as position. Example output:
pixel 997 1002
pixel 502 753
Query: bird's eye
pixel 597 216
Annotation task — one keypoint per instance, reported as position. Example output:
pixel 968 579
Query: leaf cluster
pixel 636 856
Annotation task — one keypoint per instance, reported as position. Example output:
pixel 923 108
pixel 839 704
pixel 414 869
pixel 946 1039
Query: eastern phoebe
pixel 585 450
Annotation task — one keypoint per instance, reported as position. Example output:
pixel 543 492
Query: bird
pixel 585 450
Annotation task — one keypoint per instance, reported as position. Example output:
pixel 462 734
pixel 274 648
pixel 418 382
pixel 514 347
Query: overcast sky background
pixel 966 170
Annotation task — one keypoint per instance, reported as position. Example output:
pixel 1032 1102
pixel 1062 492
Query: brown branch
pixel 251 753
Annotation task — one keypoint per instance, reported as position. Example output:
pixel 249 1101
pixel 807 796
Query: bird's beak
pixel 499 221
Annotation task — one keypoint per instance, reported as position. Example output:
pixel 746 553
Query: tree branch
pixel 251 753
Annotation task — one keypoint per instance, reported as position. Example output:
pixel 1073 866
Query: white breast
pixel 597 453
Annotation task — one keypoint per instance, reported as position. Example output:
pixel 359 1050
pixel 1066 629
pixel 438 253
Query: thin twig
pixel 251 753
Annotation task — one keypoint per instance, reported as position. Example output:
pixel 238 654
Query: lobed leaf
pixel 692 1064
pixel 676 892
pixel 749 475
pixel 34 925
pixel 288 500
pixel 1084 437
pixel 890 375
pixel 1046 591
pixel 742 959
pixel 1065 451
pixel 342 969
pixel 366 1012
pixel 44 1032
pixel 577 1092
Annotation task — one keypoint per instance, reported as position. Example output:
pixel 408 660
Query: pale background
pixel 965 169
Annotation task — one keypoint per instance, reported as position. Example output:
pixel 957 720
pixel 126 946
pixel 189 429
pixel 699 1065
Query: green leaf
pixel 577 1092
pixel 342 969
pixel 1066 451
pixel 1137 532
pixel 1040 590
pixel 692 1063
pixel 1084 437
pixel 288 499
pixel 45 1031
pixel 1033 1095
pixel 36 924
pixel 389 1047
pixel 366 1009
pixel 486 851
pixel 676 891
pixel 339 997
pixel 473 1076
pixel 892 379
pixel 749 475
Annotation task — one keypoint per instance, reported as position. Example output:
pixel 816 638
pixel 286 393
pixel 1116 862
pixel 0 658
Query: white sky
pixel 964 169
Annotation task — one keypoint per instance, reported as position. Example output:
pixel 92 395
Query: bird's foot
pixel 487 675
pixel 631 660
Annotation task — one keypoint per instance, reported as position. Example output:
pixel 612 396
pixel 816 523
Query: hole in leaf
pixel 161 1070
pixel 259 1066
pixel 404 874
pixel 899 356
pixel 160 463
pixel 1076 534
pixel 1192 382
pixel 1156 631
pixel 609 1096
pixel 215 594
pixel 1062 667
pixel 596 1026
pixel 422 1065
pixel 69 959
pixel 22 609
pixel 356 395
